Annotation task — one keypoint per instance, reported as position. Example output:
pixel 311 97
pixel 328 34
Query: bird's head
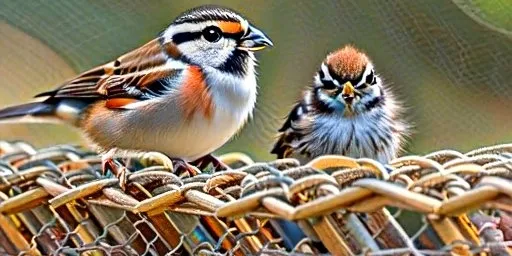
pixel 211 36
pixel 347 83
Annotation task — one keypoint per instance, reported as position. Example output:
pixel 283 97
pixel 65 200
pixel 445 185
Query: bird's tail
pixel 54 111
pixel 30 112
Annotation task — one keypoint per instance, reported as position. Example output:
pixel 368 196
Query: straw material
pixel 56 201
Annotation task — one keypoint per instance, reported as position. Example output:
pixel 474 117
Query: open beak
pixel 254 40
pixel 348 92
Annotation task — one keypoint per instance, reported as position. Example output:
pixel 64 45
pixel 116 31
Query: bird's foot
pixel 181 167
pixel 204 161
pixel 108 163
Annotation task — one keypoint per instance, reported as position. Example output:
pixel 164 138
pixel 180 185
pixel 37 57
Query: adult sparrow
pixel 184 93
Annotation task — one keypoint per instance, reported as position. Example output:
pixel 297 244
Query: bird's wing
pixel 134 76
pixel 293 131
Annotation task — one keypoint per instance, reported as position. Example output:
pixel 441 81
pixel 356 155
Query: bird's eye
pixel 212 34
pixel 370 78
pixel 328 85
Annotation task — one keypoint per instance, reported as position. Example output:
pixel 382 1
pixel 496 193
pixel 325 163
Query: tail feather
pixel 30 112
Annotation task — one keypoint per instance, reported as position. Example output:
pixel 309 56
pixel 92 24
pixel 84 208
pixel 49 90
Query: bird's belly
pixel 357 138
pixel 178 137
pixel 162 125
pixel 199 136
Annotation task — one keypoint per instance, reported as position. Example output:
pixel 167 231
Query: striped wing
pixel 134 75
pixel 292 132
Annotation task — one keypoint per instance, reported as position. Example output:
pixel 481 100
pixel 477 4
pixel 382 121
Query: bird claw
pixel 204 161
pixel 181 167
pixel 108 163
pixel 118 170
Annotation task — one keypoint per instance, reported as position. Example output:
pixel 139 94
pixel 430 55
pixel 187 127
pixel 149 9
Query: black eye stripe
pixel 369 77
pixel 328 84
pixel 191 36
pixel 321 74
pixel 186 37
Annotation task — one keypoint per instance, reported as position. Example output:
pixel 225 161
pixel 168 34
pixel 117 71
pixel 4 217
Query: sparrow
pixel 347 111
pixel 184 93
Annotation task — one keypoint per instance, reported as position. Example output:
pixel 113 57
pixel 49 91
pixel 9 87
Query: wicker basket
pixel 55 201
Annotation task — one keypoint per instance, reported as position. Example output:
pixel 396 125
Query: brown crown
pixel 347 62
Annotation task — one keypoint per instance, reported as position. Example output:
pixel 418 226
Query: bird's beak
pixel 348 92
pixel 254 40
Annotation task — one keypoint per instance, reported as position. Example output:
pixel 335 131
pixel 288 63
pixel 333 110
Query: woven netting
pixel 55 201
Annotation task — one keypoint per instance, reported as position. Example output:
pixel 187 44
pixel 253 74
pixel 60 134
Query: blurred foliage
pixel 449 62
pixel 497 14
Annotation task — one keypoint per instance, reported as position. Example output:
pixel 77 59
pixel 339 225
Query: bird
pixel 348 110
pixel 184 93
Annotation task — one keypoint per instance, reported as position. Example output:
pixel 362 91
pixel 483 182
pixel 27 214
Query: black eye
pixel 212 34
pixel 370 78
pixel 321 74
pixel 328 85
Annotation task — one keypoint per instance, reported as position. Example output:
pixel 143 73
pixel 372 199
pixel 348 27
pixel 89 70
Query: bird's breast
pixel 189 127
pixel 186 123
pixel 368 136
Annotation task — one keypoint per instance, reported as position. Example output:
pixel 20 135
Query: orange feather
pixel 347 62
pixel 118 102
pixel 195 95
pixel 230 27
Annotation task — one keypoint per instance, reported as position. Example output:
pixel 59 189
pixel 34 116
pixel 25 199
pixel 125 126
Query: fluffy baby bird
pixel 348 111
pixel 185 93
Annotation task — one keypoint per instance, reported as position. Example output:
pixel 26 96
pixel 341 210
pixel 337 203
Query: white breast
pixel 164 129
pixel 234 100
pixel 370 135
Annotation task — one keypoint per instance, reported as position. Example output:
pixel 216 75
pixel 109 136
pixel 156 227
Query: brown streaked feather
pixel 295 128
pixel 125 77
pixel 282 147
pixel 347 62
pixel 195 95
pixel 172 50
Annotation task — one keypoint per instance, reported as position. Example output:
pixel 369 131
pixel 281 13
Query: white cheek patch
pixel 205 53
pixel 187 48
pixel 376 91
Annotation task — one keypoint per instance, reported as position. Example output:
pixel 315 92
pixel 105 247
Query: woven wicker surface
pixel 55 201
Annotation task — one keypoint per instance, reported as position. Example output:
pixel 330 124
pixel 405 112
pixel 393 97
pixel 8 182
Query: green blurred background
pixel 449 61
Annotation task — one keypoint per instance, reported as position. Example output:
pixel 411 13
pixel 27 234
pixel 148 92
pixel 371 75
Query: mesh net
pixel 55 201
pixel 449 62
